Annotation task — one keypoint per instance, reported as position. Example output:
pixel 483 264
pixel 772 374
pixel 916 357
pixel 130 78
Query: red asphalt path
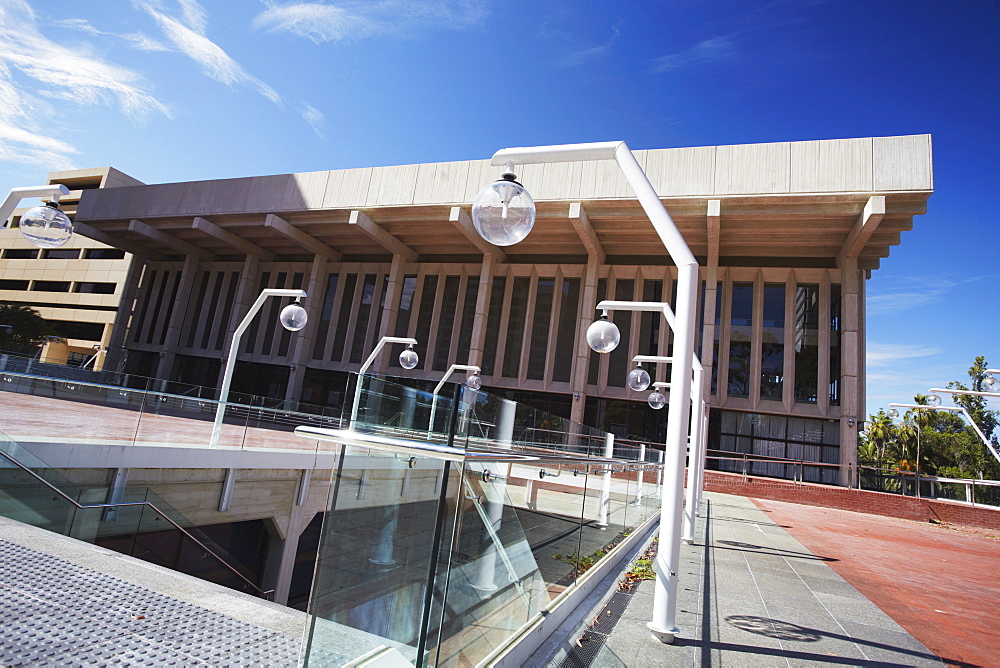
pixel 940 583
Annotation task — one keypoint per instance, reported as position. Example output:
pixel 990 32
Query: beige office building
pixel 785 233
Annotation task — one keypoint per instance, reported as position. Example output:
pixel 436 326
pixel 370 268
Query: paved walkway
pixel 755 596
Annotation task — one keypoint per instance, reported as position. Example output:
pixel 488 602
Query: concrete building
pixel 786 235
pixel 76 287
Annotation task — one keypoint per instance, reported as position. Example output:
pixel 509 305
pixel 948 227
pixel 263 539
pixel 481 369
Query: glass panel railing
pixel 377 558
pixel 493 584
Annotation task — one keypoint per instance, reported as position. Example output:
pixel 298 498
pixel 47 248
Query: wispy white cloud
pixel 882 354
pixel 136 40
pixel 315 118
pixel 70 75
pixel 709 51
pixel 186 30
pixel 915 292
pixel 583 56
pixel 354 20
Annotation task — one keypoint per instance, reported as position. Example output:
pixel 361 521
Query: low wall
pixel 861 501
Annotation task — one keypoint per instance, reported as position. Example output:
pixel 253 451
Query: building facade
pixel 785 234
pixel 76 287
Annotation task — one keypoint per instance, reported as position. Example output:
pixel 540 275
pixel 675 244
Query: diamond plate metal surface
pixel 57 613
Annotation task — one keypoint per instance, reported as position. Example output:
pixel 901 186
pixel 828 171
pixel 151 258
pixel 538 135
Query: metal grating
pixel 60 613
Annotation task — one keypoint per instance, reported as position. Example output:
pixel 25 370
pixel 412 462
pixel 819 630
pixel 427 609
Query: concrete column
pixel 115 355
pixel 304 340
pixel 482 312
pixel 178 315
pixel 852 365
pixel 581 364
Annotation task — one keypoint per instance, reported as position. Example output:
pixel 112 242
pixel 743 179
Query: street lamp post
pixel 697 437
pixel 407 359
pixel 472 381
pixel 502 211
pixel 293 318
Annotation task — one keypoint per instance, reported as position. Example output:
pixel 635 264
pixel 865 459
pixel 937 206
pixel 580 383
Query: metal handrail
pixel 80 506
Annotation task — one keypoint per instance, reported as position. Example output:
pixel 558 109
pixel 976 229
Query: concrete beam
pixel 381 237
pixel 463 223
pixel 872 215
pixel 226 237
pixel 581 223
pixel 165 239
pixel 311 244
pixel 103 237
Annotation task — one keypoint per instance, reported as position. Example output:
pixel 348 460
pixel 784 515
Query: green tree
pixel 21 327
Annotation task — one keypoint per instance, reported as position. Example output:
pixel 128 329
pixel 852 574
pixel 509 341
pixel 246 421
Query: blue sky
pixel 177 90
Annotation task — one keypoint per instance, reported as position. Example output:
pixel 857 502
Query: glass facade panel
pixel 468 318
pixel 594 368
pixel 515 327
pixel 772 348
pixel 718 333
pixel 488 364
pixel 540 329
pixel 350 283
pixel 362 313
pixel 835 368
pixel 446 323
pixel 325 314
pixel 740 331
pixel 565 343
pixel 806 343
pixel 424 316
pixel 619 360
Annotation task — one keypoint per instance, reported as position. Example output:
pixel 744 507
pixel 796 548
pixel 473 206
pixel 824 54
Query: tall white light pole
pixel 503 213
pixel 407 359
pixel 293 318
pixel 472 381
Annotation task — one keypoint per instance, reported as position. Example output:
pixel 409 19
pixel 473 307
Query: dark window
pixel 61 254
pixel 50 286
pixel 594 368
pixel 13 284
pixel 618 359
pixel 806 343
pixel 835 345
pixel 20 254
pixel 566 337
pixel 446 324
pixel 515 328
pixel 87 331
pixel 103 254
pixel 325 315
pixel 740 332
pixel 95 288
pixel 540 329
pixel 772 347
pixel 493 324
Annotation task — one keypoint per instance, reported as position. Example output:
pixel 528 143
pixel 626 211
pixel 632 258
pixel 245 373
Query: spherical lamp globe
pixel 638 379
pixel 603 335
pixel 503 212
pixel 408 358
pixel 46 226
pixel 656 400
pixel 474 382
pixel 293 317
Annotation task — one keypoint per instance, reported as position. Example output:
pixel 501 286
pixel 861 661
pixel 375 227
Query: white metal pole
pixel 364 367
pixel 694 456
pixel 17 194
pixel 605 498
pixel 234 346
pixel 437 388
pixel 665 597
pixel 642 467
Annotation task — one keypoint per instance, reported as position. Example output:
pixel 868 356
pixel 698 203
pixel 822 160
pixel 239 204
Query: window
pixel 835 345
pixel 50 286
pixel 772 347
pixel 515 328
pixel 20 254
pixel 103 254
pixel 740 332
pixel 61 253
pixel 13 284
pixel 540 328
pixel 563 366
pixel 806 343
pixel 95 288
